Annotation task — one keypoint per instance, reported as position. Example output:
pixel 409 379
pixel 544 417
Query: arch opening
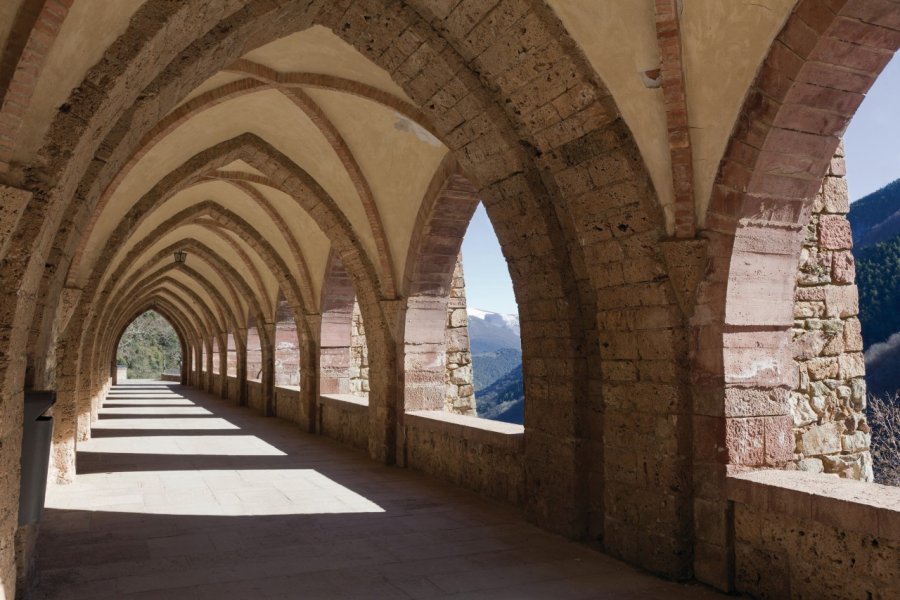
pixel 150 347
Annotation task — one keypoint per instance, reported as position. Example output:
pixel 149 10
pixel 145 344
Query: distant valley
pixel 875 222
pixel 495 342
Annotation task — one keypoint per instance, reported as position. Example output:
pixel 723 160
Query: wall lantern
pixel 180 257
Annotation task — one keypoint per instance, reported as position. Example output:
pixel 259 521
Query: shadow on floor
pixel 267 511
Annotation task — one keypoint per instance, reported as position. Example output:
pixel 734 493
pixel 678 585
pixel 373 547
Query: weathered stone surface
pixel 827 405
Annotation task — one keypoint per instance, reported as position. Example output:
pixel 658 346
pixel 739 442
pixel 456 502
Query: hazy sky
pixel 872 141
pixel 872 145
pixel 488 286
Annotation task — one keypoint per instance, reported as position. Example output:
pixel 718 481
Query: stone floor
pixel 180 495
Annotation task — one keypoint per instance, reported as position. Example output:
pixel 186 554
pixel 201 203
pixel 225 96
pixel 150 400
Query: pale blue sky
pixel 872 141
pixel 488 285
pixel 872 145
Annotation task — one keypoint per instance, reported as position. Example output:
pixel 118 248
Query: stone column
pixel 359 355
pixel 459 378
pixel 828 405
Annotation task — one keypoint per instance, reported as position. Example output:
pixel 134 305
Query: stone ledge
pixel 845 504
pixel 474 429
pixel 339 399
pixel 288 388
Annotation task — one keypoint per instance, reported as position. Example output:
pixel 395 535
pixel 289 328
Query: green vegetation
pixel 876 218
pixel 149 347
pixel 491 366
pixel 878 278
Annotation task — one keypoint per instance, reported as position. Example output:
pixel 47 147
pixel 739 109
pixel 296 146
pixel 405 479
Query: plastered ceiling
pixel 371 158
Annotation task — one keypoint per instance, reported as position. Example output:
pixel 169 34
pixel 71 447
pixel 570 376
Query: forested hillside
pixel 878 278
pixel 875 221
pixel 876 217
pixel 149 347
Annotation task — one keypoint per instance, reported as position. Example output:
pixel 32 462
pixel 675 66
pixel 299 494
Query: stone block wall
pixel 359 355
pixel 805 535
pixel 344 419
pixel 459 377
pixel 477 454
pixel 828 407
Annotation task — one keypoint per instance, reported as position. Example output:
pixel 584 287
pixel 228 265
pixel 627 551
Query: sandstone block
pixel 811 465
pixel 852 365
pixel 821 439
pixel 809 344
pixel 843 267
pixel 855 442
pixel 459 318
pixel 835 195
pixel 834 232
pixel 823 368
pixel 853 341
pixel 841 301
pixel 801 412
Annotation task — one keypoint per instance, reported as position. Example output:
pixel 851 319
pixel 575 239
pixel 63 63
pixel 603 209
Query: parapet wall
pixel 808 535
pixel 831 434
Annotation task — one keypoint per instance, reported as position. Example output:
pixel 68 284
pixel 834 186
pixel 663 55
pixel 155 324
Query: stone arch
pixel 810 84
pixel 434 250
pixel 172 322
pixel 338 297
pixel 287 344
pixel 561 242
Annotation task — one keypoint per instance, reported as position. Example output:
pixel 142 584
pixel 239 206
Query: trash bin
pixel 37 433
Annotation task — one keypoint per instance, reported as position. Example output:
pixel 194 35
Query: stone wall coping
pixel 846 504
pixel 289 388
pixel 485 431
pixel 344 399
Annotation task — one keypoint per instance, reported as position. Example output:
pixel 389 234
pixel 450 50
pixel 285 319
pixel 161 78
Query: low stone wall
pixel 289 405
pixel 170 377
pixel 805 535
pixel 255 398
pixel 481 455
pixel 345 418
pixel 234 389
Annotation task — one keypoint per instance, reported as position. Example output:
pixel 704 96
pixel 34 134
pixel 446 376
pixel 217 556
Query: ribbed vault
pixel 315 158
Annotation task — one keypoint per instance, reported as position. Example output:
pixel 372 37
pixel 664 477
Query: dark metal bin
pixel 37 434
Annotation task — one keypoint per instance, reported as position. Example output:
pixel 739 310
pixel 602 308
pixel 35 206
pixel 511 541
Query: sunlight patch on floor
pixel 216 492
pixel 206 445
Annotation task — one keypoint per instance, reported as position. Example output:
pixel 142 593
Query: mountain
pixel 491 366
pixel 490 331
pixel 875 222
pixel 878 278
pixel 876 217
pixel 504 400
pixel 496 345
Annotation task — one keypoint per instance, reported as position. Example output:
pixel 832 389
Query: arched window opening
pixel 873 179
pixel 254 350
pixel 287 346
pixel 494 339
pixel 343 360
pixel 149 347
pixel 215 356
pixel 232 357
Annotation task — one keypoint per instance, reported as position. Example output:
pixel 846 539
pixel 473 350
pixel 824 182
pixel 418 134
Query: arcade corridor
pixel 180 495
